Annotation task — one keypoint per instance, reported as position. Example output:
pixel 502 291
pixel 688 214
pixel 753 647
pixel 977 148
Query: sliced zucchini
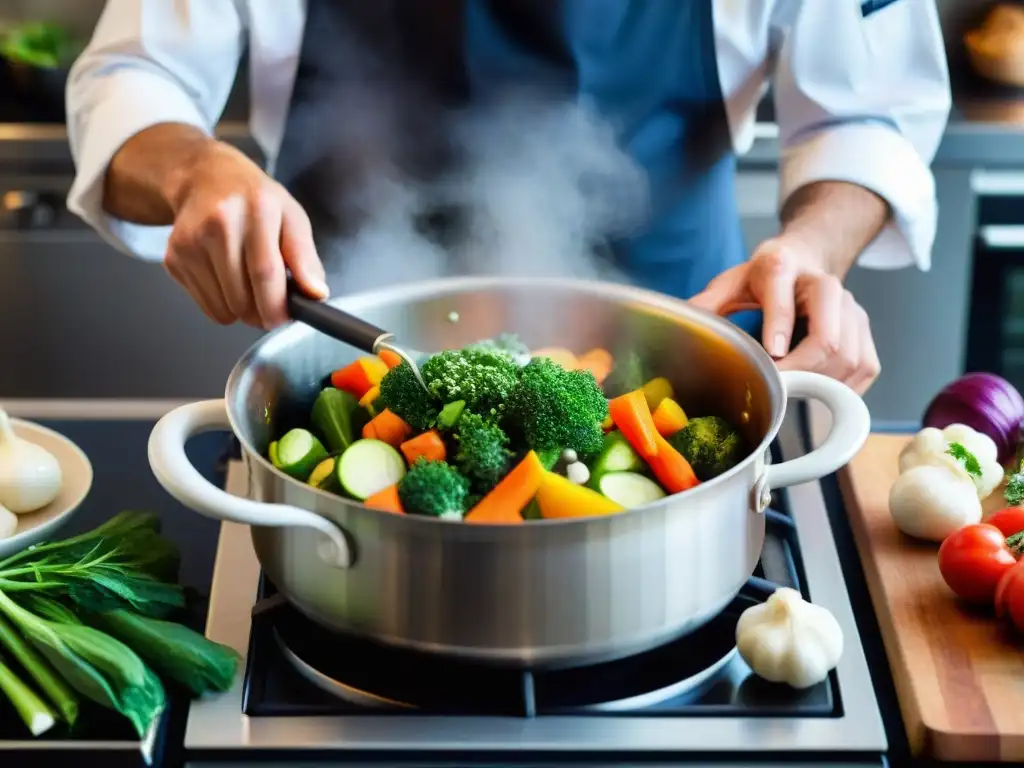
pixel 323 476
pixel 272 454
pixel 630 489
pixel 332 417
pixel 450 414
pixel 298 453
pixel 367 467
pixel 616 455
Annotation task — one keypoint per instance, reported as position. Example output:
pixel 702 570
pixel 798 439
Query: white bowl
pixel 76 472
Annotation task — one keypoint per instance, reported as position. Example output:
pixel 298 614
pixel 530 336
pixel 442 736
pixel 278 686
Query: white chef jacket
pixel 861 95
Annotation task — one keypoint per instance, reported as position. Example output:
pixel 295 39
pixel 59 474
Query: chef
pixel 861 97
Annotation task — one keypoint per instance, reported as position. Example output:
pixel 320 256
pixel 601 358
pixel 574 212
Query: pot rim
pixel 677 308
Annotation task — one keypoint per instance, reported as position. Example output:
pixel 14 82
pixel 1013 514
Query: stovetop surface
pixel 697 675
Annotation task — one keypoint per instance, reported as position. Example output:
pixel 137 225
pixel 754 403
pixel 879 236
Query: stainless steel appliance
pixel 552 592
pixel 309 698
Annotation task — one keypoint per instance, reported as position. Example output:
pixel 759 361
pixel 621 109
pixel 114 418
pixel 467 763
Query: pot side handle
pixel 175 473
pixel 851 424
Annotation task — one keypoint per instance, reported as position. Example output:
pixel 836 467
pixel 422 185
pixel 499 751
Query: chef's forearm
pixel 835 220
pixel 145 177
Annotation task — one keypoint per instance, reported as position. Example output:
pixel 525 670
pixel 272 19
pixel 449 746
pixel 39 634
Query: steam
pixel 534 188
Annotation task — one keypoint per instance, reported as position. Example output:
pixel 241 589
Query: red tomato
pixel 973 559
pixel 1009 599
pixel 1009 520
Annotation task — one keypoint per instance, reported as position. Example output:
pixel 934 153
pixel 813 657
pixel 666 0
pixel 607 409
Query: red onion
pixel 985 402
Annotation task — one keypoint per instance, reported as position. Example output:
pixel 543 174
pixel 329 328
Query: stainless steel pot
pixel 548 592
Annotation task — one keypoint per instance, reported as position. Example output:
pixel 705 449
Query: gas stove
pixel 309 695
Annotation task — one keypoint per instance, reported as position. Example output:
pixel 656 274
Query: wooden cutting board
pixel 959 675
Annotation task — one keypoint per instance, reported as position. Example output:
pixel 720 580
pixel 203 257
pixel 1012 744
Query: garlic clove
pixel 930 502
pixel 8 523
pixel 30 476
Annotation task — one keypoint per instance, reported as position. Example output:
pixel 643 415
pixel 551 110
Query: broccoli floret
pixel 483 378
pixel 555 408
pixel 481 452
pixel 402 393
pixel 506 343
pixel 710 444
pixel 434 488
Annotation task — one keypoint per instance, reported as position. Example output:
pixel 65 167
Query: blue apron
pixel 648 66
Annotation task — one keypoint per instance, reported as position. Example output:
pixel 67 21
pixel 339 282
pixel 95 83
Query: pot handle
pixel 175 473
pixel 851 424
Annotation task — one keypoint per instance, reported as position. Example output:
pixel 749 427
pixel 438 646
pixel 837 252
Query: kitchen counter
pixel 114 435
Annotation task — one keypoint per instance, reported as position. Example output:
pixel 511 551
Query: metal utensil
pixel 342 326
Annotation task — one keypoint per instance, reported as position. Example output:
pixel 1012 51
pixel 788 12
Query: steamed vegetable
pixel 481 453
pixel 482 378
pixel 360 376
pixel 368 467
pixel 632 416
pixel 334 417
pixel 984 402
pixel 490 426
pixel 710 444
pixel 789 640
pixel 402 394
pixel 556 408
pixel 298 453
pixel 434 488
pixel 974 558
pixel 559 497
pixel 507 500
pixel 30 476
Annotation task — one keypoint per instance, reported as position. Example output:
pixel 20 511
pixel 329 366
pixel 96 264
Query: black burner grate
pixel 671 680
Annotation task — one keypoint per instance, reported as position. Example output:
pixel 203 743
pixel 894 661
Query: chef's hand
pixel 785 281
pixel 236 231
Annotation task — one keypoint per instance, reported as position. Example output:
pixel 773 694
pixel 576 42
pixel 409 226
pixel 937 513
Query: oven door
pixel 995 338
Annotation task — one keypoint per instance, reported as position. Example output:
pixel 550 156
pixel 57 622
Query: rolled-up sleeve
pixel 148 62
pixel 862 96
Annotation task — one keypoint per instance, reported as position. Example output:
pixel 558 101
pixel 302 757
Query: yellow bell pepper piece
pixel 559 497
pixel 657 390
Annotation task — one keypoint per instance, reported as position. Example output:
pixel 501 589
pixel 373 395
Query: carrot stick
pixel 632 416
pixel 507 500
pixel 427 445
pixel 598 361
pixel 669 417
pixel 359 377
pixel 386 501
pixel 388 427
pixel 391 359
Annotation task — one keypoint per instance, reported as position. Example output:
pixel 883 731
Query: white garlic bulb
pixel 30 476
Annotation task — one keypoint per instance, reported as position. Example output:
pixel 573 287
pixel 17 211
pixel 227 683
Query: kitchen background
pixel 79 320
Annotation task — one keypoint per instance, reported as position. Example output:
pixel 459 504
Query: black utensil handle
pixel 331 320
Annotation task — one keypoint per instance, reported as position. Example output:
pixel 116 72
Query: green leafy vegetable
pixel 965 457
pixel 111 578
pixel 175 651
pixel 31 709
pixel 51 684
pixel 1013 494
